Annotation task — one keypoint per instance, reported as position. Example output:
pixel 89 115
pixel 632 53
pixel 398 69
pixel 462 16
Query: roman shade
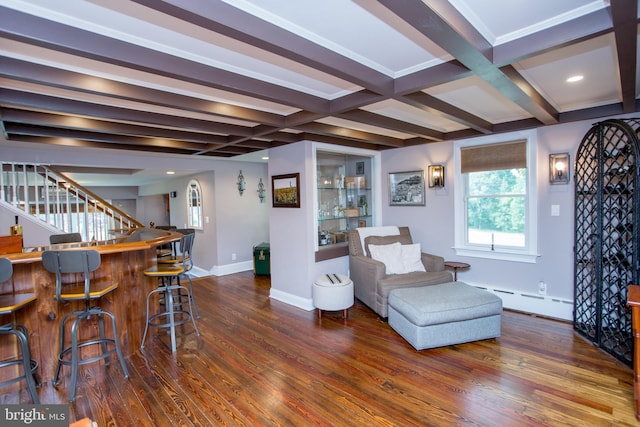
pixel 480 158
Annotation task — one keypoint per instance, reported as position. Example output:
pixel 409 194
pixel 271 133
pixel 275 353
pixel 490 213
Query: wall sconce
pixel 241 183
pixel 262 193
pixel 436 176
pixel 559 168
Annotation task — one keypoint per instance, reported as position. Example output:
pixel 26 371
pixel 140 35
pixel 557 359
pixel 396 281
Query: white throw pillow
pixel 412 258
pixel 390 256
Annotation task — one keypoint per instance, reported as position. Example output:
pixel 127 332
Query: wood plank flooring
pixel 259 362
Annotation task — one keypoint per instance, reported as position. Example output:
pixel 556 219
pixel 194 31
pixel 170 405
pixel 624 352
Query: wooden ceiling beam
pixel 13 129
pixel 350 134
pixel 27 100
pixel 433 105
pixel 625 29
pixel 225 19
pixel 117 128
pixel 54 77
pixel 449 30
pixel 368 118
pixel 27 28
pixel 102 145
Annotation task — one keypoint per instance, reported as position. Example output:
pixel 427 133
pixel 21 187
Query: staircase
pixel 60 202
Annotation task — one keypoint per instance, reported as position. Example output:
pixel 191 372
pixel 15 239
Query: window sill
pixel 499 255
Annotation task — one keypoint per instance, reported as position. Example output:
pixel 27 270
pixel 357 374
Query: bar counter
pixel 124 259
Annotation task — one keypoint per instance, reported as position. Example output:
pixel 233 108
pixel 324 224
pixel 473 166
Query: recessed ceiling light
pixel 171 173
pixel 265 158
pixel 575 78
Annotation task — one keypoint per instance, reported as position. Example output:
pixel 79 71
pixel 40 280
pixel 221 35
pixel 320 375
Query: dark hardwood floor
pixel 262 362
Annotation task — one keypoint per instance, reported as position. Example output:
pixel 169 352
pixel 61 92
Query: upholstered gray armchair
pixel 371 282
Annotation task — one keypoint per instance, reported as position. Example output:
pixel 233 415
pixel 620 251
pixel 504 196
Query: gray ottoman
pixel 444 314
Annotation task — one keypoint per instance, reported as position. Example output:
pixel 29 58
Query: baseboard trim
pixel 223 270
pixel 542 305
pixel 294 300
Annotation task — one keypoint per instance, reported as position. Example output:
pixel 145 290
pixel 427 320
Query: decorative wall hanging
pixel 262 193
pixel 286 190
pixel 242 184
pixel 406 188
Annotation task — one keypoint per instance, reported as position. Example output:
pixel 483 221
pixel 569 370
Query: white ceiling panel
pixel 594 59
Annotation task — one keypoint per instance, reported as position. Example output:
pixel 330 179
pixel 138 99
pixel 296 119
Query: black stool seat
pixel 83 262
pixel 9 304
pixel 174 313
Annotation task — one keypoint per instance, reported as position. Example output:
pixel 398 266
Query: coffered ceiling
pixel 225 78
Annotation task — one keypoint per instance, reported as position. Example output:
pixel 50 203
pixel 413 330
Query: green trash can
pixel 261 259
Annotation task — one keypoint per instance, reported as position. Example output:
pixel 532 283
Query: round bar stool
pixel 184 258
pixel 9 304
pixel 82 262
pixel 174 313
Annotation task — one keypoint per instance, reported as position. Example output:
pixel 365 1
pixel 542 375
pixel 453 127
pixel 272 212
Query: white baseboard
pixel 542 305
pixel 223 270
pixel 294 300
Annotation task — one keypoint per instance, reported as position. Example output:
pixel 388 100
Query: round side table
pixel 455 266
pixel 333 292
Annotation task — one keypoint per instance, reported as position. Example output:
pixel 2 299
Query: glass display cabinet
pixel 345 197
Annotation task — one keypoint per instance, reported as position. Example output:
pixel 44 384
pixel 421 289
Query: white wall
pixel 291 229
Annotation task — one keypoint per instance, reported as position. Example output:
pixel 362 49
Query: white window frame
pixel 529 253
pixel 194 213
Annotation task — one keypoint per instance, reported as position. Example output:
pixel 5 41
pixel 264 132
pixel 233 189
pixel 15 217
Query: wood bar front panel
pixel 42 318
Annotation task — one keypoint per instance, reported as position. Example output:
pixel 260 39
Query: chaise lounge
pixel 370 277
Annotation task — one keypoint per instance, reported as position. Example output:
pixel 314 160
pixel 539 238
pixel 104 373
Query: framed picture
pixel 286 190
pixel 406 188
pixel 359 168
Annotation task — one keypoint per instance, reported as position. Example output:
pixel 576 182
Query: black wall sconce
pixel 559 168
pixel 436 176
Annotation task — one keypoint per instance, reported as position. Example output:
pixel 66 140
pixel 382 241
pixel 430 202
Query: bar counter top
pixel 123 259
pixel 133 240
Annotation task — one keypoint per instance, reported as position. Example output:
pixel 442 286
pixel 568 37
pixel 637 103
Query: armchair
pixel 371 282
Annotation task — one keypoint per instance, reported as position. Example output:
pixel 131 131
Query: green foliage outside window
pixel 496 206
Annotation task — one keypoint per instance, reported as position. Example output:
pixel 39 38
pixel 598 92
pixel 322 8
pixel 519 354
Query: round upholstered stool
pixel 333 292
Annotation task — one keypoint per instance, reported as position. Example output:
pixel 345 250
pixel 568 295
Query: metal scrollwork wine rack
pixel 606 234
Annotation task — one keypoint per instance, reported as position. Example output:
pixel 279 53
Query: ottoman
pixel 444 314
pixel 333 292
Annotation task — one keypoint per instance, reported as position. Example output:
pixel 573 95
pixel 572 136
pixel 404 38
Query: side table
pixel 455 266
pixel 634 302
pixel 332 292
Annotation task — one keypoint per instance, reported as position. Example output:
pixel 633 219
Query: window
pixel 496 207
pixel 194 204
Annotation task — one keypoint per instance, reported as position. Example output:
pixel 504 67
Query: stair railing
pixel 59 201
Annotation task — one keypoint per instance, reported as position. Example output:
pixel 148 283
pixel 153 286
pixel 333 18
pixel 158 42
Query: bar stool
pixel 168 249
pixel 184 258
pixel 83 262
pixel 174 313
pixel 9 304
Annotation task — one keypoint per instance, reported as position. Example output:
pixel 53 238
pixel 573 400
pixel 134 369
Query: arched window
pixel 194 204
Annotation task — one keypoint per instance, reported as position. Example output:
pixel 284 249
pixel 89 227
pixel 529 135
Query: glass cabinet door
pixel 344 196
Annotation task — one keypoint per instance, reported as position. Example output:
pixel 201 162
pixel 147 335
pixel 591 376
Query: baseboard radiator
pixel 542 305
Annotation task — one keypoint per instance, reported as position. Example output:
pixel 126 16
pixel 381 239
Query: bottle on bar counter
pixel 16 229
